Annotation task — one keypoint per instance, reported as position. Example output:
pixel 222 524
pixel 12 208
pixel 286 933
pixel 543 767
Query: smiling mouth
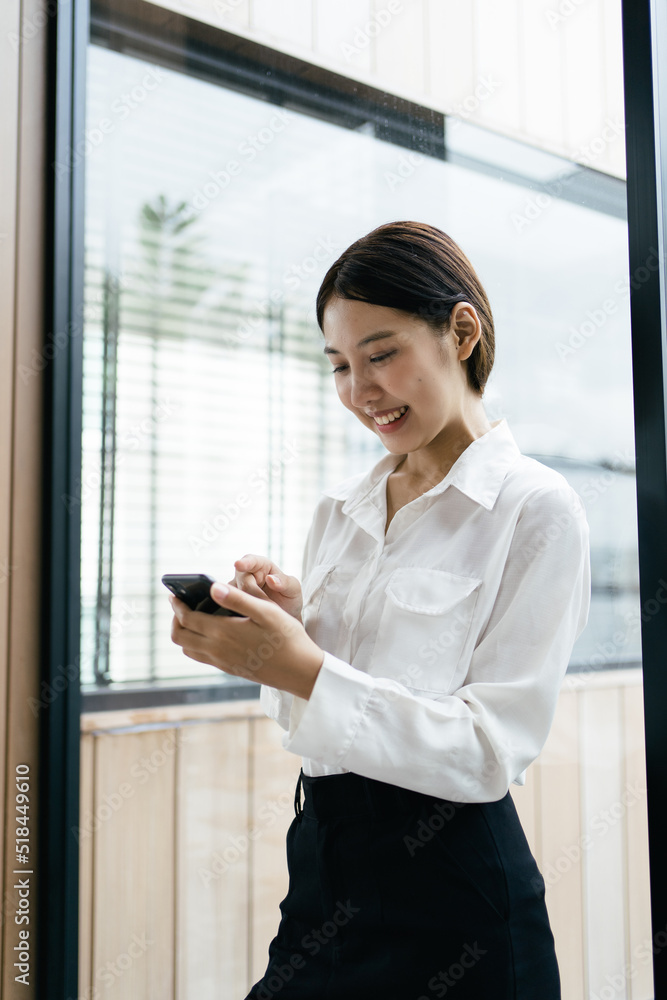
pixel 392 422
pixel 391 416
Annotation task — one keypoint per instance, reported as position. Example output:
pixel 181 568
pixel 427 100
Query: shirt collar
pixel 478 471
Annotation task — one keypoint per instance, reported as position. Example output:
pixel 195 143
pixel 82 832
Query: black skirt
pixel 399 895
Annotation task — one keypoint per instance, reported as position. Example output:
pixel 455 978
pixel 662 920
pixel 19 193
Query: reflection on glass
pixel 211 218
pixel 211 423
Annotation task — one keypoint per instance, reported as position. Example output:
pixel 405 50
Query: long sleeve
pixel 275 703
pixel 471 744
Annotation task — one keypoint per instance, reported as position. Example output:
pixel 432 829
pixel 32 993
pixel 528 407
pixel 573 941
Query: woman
pixel 418 675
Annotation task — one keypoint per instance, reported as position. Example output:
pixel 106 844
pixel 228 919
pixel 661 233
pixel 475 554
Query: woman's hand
pixel 259 576
pixel 268 646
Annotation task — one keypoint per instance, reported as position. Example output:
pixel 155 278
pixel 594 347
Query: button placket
pixel 358 591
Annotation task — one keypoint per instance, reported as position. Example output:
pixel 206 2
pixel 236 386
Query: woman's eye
pixel 379 357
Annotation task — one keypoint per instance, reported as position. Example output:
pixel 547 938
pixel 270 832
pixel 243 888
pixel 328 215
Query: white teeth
pixel 390 417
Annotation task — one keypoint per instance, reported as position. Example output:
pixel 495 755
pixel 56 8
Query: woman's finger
pixel 193 621
pixel 248 583
pixel 276 624
pixel 288 586
pixel 251 563
pixel 256 564
pixel 260 609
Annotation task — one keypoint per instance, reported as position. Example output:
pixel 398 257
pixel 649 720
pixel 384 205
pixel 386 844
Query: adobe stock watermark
pixel 594 487
pixel 461 110
pixel 49 692
pixel 370 29
pixel 124 615
pixel 597 318
pixel 440 984
pixel 405 167
pixel 31 26
pixel 6 570
pixel 408 162
pixel 256 659
pixel 121 109
pixel 609 650
pixel 247 150
pixel 585 156
pixel 130 441
pixel 598 827
pixel 616 987
pixel 88 311
pixel 273 640
pixel 542 538
pixel 493 767
pixel 228 512
pixel 426 829
pixel 293 277
pixel 225 8
pixel 408 678
pixel 142 770
pixel 113 969
pixel 565 9
pixel 414 674
pixel 312 943
pixel 238 847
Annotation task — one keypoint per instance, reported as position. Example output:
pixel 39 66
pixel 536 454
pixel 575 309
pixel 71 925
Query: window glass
pixel 217 196
pixel 211 421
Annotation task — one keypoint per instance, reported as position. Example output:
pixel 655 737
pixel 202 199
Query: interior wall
pixel 22 360
pixel 547 73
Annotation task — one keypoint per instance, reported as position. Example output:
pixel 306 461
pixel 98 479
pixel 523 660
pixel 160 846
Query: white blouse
pixel 448 638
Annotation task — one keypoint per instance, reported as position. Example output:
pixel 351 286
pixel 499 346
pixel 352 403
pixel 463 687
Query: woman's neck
pixel 429 465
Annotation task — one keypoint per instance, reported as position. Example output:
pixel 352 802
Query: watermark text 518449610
pixel 24 870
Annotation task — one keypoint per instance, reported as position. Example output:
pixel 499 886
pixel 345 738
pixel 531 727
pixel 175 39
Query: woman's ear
pixel 466 327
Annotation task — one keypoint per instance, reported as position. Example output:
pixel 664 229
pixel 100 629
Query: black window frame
pixel 144 30
pixel 215 54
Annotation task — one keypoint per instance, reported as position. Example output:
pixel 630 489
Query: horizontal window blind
pixel 211 420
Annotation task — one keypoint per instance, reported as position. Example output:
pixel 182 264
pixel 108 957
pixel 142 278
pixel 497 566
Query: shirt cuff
pixel 276 704
pixel 323 726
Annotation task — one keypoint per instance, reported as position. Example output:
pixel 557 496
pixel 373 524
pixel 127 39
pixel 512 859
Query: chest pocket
pixel 312 591
pixel 424 628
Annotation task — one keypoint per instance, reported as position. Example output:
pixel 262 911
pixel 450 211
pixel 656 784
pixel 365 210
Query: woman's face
pixel 386 361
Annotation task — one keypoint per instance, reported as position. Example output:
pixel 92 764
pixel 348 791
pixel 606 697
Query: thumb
pixel 284 584
pixel 240 601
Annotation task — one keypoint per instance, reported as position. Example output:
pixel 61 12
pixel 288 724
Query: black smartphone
pixel 194 589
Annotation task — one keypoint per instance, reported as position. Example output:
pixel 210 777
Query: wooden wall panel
pixel 526 799
pixel 134 864
pixel 559 65
pixel 498 54
pixel 336 26
pixel 86 878
pixel 562 850
pixel 638 891
pixel 229 798
pixel 212 873
pixel 612 31
pixel 400 45
pixel 583 79
pixel 452 75
pixel 601 750
pixel 9 137
pixel 22 174
pixel 542 62
pixel 290 20
pixel 274 773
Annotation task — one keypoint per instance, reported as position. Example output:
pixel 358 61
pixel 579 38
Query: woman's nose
pixel 363 390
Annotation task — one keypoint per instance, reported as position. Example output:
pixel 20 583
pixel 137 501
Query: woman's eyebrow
pixel 381 334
